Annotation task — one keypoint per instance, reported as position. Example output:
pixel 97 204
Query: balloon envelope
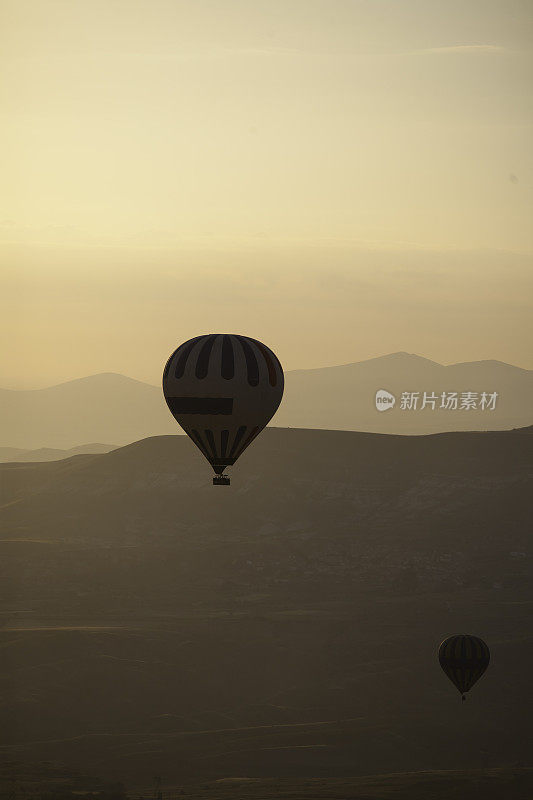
pixel 464 659
pixel 223 389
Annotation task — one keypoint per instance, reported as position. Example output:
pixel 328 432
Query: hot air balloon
pixel 464 659
pixel 222 389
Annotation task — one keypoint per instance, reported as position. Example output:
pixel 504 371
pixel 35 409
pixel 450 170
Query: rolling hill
pixel 343 397
pixel 99 408
pixel 114 408
pixel 8 454
pixel 283 627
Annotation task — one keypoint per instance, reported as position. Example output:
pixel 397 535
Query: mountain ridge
pixel 413 357
pixel 19 454
pixel 110 407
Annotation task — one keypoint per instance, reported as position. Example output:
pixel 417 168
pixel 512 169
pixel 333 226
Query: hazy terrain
pixel 114 408
pixel 8 454
pixel 282 628
pixel 343 397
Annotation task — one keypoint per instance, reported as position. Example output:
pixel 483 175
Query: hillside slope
pixel 99 408
pixel 8 454
pixel 286 625
pixel 113 408
pixel 344 397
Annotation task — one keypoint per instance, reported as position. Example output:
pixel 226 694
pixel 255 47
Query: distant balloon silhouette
pixel 464 659
pixel 222 389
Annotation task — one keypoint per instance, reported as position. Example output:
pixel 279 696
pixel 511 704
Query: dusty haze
pixel 341 179
pixel 115 409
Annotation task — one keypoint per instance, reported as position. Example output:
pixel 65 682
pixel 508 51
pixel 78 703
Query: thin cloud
pixel 461 48
pixel 207 52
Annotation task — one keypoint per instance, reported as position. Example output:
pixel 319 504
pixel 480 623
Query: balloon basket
pixel 221 480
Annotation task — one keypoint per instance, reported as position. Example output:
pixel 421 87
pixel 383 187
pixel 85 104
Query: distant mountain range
pixel 343 397
pixel 8 454
pixel 114 408
pixel 99 408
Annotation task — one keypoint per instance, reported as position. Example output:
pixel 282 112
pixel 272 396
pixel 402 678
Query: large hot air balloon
pixel 464 659
pixel 222 389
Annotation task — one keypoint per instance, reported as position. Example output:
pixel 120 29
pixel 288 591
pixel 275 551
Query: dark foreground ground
pixel 283 629
pixel 55 783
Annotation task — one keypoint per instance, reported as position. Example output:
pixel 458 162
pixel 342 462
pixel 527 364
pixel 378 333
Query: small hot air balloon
pixel 464 659
pixel 222 389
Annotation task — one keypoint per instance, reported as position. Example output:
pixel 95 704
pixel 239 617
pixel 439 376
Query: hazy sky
pixel 338 178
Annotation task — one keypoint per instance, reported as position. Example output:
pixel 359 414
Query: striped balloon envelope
pixel 222 389
pixel 464 659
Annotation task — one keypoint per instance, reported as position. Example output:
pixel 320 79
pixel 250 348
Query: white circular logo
pixel 384 400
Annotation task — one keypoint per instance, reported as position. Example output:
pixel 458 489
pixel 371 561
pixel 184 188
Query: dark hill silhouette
pixel 113 408
pixel 53 780
pixel 284 626
pixel 8 454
